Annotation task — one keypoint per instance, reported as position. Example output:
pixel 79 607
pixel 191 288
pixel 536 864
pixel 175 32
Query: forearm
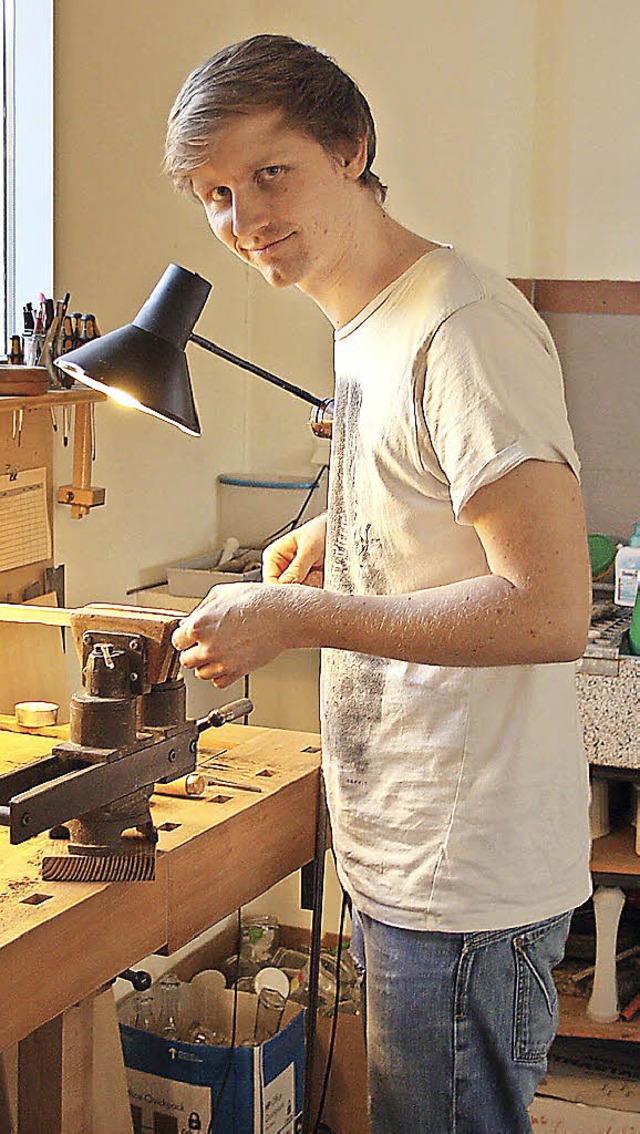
pixel 485 621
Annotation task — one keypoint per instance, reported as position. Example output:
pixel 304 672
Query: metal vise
pixel 128 731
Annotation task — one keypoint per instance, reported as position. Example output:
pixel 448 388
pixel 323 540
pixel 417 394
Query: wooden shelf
pixel 575 1023
pixel 77 395
pixel 614 860
pixel 80 495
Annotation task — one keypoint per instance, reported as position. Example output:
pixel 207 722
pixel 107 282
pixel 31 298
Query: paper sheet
pixel 25 532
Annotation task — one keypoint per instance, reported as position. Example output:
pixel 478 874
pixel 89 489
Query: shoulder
pixel 443 282
pixel 460 281
pixel 475 300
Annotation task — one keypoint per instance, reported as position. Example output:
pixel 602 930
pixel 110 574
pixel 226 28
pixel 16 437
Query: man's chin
pixel 275 276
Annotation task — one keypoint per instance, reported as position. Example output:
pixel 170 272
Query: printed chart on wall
pixel 25 532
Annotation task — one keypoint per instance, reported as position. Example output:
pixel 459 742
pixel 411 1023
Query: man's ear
pixel 354 162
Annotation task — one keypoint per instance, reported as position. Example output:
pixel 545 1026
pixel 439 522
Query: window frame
pixel 27 157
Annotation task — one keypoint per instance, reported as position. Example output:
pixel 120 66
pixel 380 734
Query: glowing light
pixel 120 396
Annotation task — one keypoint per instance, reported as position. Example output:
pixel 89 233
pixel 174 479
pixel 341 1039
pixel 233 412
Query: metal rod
pixel 297 391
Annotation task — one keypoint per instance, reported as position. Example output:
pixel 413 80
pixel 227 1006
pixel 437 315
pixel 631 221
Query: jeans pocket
pixel 537 950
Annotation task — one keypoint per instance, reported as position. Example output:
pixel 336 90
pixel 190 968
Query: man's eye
pixel 219 193
pixel 270 172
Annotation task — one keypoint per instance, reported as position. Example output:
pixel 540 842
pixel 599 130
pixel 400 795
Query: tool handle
pixel 192 784
pixel 140 979
pixel 225 714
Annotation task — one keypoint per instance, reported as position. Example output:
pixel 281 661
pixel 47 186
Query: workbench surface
pixel 60 941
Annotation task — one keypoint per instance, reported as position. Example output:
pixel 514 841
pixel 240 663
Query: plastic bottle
pixel 634 633
pixel 627 568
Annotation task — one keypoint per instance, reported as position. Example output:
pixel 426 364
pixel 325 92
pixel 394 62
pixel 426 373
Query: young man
pixel 456 593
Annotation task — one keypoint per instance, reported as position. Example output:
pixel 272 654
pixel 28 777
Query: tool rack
pixel 33 444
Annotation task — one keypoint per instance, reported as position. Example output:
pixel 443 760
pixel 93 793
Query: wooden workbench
pixel 61 942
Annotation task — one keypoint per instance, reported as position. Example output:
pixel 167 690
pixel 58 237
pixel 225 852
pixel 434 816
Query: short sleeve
pixel 493 397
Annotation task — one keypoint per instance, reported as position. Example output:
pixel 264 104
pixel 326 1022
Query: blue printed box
pixel 175 1087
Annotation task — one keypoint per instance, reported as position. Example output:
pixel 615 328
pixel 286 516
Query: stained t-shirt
pixel 458 795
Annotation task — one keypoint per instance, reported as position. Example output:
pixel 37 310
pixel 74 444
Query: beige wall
pixel 586 155
pixel 509 127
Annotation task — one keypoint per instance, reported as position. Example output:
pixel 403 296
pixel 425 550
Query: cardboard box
pixel 174 1086
pixel 194 578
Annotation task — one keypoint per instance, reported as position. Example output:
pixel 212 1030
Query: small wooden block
pixel 23 381
pixel 86 497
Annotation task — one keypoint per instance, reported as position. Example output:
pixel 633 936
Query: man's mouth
pixel 265 248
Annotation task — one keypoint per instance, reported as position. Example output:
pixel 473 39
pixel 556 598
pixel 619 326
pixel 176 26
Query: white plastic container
pixel 628 570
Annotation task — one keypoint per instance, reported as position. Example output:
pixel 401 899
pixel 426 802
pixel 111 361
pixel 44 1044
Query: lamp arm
pixel 297 391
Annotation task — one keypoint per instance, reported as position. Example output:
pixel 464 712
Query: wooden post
pixel 71 1074
pixel 55 1075
pixel 80 494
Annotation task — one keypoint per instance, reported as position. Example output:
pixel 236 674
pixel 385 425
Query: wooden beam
pixel 582 297
pixel 41 615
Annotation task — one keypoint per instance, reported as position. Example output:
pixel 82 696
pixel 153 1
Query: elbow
pixel 568 637
pixel 571 650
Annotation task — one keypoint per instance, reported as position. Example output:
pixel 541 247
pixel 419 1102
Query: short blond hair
pixel 269 72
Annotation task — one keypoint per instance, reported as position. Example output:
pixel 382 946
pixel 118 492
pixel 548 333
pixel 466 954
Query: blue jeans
pixel 458 1025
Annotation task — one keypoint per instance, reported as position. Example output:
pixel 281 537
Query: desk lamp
pixel 144 364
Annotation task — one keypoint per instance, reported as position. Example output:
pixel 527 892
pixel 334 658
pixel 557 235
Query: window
pixel 27 158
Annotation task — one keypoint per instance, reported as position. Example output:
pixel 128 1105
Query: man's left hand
pixel 237 628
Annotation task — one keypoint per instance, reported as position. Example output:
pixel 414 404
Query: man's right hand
pixel 298 556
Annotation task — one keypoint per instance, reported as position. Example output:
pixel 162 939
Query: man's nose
pixel 249 215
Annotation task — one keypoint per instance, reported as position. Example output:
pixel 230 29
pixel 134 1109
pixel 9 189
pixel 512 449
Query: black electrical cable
pixel 334 1022
pixel 307 499
pixel 216 1106
pixel 291 524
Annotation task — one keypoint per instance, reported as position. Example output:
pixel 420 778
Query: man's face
pixel 278 200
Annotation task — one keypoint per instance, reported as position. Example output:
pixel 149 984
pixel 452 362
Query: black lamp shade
pixel 144 364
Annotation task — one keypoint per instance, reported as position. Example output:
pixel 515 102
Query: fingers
pixel 183 636
pixel 315 578
pixel 276 559
pixel 195 657
pixel 186 634
pixel 215 673
pixel 196 654
pixel 293 568
pixel 296 572
pixel 197 660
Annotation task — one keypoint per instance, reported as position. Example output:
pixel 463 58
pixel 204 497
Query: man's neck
pixel 380 251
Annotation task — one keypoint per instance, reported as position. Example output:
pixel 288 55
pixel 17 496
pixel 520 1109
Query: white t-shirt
pixel 458 796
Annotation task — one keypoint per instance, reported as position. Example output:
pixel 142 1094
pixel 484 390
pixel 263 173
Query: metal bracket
pixel 133 645
pixel 51 791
